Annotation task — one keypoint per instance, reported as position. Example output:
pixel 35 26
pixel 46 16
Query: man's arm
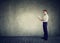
pixel 40 18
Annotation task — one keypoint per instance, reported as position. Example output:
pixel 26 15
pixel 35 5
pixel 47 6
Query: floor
pixel 28 39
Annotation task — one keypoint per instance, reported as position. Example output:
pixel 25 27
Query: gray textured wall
pixel 19 18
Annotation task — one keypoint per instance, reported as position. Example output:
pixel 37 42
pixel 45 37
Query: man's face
pixel 44 12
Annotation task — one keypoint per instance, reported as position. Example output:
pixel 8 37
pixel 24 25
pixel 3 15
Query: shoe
pixel 44 38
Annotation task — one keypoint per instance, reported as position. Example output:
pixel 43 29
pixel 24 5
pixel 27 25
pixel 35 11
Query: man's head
pixel 45 12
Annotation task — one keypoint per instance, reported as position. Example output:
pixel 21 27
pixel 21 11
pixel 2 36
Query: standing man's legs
pixel 45 30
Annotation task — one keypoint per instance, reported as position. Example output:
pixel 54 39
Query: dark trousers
pixel 45 30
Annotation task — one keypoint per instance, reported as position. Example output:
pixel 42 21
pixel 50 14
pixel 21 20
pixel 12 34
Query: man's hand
pixel 40 18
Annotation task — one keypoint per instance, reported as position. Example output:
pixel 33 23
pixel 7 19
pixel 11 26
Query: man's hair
pixel 45 10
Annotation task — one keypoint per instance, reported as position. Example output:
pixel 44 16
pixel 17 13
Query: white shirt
pixel 45 18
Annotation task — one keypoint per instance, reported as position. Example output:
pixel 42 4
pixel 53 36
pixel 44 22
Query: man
pixel 45 22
